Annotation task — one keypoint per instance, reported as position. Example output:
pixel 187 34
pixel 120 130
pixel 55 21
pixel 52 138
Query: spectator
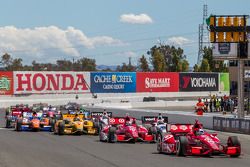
pixel 217 105
pixel 211 105
pixel 206 105
pixel 222 104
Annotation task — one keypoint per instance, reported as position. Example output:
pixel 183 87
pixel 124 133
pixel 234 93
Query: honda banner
pixel 157 82
pixel 113 82
pixel 199 82
pixel 29 82
pixel 6 83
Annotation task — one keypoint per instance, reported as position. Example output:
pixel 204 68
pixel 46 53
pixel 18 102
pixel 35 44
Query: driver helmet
pixel 200 132
pixel 128 123
pixel 105 112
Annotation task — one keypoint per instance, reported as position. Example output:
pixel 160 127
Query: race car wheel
pixel 19 125
pixel 52 124
pixel 159 144
pixel 61 127
pixel 97 127
pixel 181 146
pixel 233 141
pixel 153 131
pixel 112 135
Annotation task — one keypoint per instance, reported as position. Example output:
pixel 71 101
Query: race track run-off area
pixel 40 149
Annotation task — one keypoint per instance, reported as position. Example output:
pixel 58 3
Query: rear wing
pixel 152 119
pixel 30 115
pixel 179 128
pixel 99 114
pixel 119 120
pixel 72 116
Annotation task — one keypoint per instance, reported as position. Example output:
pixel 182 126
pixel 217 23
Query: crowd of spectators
pixel 220 104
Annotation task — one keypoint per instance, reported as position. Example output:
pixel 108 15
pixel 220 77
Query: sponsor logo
pixel 199 82
pixel 4 83
pixel 186 81
pixel 149 119
pixel 113 79
pixel 39 82
pixel 157 82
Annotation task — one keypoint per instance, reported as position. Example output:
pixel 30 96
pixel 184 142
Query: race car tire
pixel 52 124
pixel 181 146
pixel 97 127
pixel 234 141
pixel 19 125
pixel 61 127
pixel 8 122
pixel 152 130
pixel 159 144
pixel 112 135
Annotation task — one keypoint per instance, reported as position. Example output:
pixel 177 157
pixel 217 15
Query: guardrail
pixel 231 125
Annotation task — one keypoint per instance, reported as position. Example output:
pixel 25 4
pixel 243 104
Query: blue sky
pixel 109 31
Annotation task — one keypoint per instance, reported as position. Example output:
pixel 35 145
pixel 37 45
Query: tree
pixel 173 58
pixel 204 66
pixel 185 66
pixel 143 64
pixel 196 68
pixel 158 62
pixel 212 63
pixel 86 64
pixel 16 65
pixel 6 61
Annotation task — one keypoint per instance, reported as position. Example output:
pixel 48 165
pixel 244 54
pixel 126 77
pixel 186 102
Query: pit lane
pixel 26 149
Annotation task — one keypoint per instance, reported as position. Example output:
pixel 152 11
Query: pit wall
pixel 60 82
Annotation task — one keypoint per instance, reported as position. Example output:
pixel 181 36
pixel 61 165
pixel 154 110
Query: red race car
pixel 121 129
pixel 187 139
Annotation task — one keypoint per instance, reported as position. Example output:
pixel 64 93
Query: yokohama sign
pixel 26 82
pixel 199 82
pixel 157 82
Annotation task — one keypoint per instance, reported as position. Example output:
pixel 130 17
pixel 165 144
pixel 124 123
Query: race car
pixel 187 140
pixel 121 130
pixel 33 121
pixel 155 124
pixel 69 124
pixel 91 125
pixel 71 106
pixel 37 107
pixel 14 112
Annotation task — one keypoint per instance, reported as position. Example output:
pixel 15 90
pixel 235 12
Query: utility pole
pixel 241 111
pixel 203 35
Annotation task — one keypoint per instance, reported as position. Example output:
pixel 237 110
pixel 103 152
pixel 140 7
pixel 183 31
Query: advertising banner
pixel 198 82
pixel 6 83
pixel 157 82
pixel 224 82
pixel 113 82
pixel 29 82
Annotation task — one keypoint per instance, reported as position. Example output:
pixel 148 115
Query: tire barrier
pixel 231 125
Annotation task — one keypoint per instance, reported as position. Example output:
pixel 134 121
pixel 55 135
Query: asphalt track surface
pixel 43 149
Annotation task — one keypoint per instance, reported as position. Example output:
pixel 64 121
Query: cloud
pixel 178 41
pixel 136 19
pixel 49 41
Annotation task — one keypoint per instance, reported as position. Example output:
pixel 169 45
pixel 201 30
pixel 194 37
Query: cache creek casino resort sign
pixel 113 82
